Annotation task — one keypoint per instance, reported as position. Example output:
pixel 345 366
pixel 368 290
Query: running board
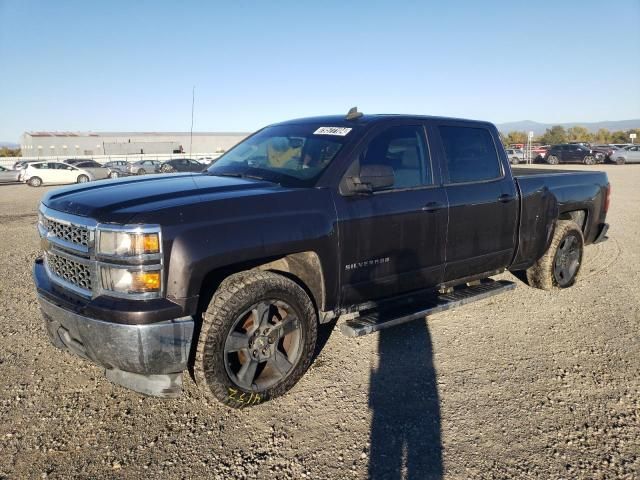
pixel 388 316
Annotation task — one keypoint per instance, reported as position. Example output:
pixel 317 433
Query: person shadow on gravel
pixel 403 397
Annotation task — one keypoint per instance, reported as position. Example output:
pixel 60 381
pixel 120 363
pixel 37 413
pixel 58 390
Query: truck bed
pixel 524 171
pixel 550 193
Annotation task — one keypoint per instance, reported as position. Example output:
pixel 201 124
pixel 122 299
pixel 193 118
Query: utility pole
pixel 193 102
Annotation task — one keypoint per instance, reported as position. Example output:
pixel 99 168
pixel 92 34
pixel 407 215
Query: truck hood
pixel 118 201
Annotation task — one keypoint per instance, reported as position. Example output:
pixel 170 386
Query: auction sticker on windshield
pixel 340 131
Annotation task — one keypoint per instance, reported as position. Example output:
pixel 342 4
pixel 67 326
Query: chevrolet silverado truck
pixel 365 220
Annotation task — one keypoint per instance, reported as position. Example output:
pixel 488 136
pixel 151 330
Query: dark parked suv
pixel 571 153
pixel 182 165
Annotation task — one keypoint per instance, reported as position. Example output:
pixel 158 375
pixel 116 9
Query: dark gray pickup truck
pixel 373 220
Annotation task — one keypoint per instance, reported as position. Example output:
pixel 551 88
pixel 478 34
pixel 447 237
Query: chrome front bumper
pixel 146 358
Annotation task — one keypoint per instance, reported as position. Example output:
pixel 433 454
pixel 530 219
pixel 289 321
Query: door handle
pixel 433 207
pixel 506 198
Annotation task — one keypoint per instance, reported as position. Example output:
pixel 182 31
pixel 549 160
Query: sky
pixel 131 65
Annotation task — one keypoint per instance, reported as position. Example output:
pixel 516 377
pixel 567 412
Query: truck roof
pixel 340 120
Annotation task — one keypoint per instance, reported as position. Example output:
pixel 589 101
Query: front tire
pixel 620 161
pixel 141 171
pixel 553 160
pixel 82 179
pixel 257 339
pixel 560 265
pixel 589 160
pixel 515 160
pixel 114 175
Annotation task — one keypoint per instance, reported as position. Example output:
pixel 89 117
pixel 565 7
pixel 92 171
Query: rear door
pixel 392 241
pixel 483 207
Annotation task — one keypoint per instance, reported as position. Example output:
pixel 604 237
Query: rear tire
pixel 553 160
pixel 515 160
pixel 34 181
pixel 114 175
pixel 560 265
pixel 589 160
pixel 141 171
pixel 243 358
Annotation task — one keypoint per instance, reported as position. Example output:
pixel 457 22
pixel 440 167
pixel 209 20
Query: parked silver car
pixel 7 175
pixel 515 155
pixel 97 171
pixel 119 168
pixel 145 166
pixel 626 155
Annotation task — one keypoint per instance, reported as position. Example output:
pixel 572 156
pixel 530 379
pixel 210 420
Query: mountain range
pixel 539 128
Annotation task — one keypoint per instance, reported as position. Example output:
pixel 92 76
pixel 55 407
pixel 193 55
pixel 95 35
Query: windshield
pixel 292 155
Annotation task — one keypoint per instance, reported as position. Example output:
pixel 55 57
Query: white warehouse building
pixel 42 144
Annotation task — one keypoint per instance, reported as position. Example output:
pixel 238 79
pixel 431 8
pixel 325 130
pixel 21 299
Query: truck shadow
pixel 403 397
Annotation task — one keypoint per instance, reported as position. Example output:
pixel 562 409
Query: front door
pixel 392 241
pixel 483 206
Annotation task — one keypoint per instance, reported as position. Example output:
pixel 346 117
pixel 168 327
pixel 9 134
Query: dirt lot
pixel 529 384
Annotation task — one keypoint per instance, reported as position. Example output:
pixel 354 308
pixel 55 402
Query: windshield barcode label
pixel 340 131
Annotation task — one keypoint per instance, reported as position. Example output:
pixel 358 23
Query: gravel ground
pixel 529 384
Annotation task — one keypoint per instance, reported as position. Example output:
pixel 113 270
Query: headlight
pixel 123 280
pixel 127 244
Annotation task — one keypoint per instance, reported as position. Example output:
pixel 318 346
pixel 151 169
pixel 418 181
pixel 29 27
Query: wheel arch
pixel 304 268
pixel 579 216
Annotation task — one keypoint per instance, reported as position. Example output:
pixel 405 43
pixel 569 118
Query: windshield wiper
pixel 241 175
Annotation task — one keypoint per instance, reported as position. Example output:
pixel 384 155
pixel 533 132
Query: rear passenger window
pixel 470 153
pixel 403 149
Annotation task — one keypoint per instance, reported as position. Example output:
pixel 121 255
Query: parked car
pixel 119 168
pixel 626 155
pixel 299 224
pixel 515 156
pixel 540 152
pixel 606 150
pixel 39 173
pixel 7 175
pixel 97 171
pixel 142 167
pixel 182 165
pixel 572 153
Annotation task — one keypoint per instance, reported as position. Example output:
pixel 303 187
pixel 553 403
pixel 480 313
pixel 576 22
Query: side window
pixel 470 154
pixel 402 148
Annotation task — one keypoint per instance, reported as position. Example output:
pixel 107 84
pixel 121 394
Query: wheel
pixel 515 160
pixel 35 181
pixel 553 160
pixel 257 339
pixel 620 161
pixel 589 160
pixel 82 179
pixel 167 169
pixel 114 174
pixel 560 265
pixel 141 171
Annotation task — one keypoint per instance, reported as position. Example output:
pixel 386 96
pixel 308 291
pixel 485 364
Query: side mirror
pixel 372 178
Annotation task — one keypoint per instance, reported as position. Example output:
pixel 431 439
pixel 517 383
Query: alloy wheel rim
pixel 263 345
pixel 567 261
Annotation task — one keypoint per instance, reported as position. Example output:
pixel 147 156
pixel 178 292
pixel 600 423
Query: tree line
pixel 558 134
pixel 9 152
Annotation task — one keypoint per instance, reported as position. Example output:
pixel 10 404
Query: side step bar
pixel 388 316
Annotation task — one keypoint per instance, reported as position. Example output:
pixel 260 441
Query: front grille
pixel 70 271
pixel 70 233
